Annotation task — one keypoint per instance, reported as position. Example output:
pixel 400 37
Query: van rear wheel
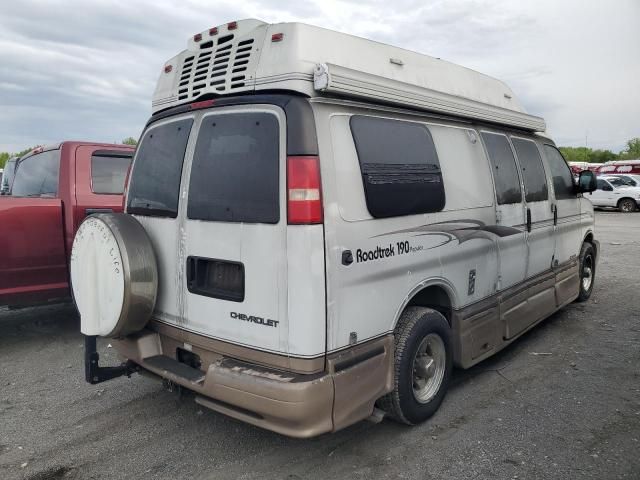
pixel 423 364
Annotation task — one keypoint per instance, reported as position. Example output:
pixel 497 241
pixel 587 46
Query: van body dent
pixel 335 230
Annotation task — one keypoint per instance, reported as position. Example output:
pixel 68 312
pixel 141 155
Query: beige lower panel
pixel 294 364
pixel 357 388
pixel 567 285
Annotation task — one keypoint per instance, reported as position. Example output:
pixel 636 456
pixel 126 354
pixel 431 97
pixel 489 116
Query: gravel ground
pixel 561 402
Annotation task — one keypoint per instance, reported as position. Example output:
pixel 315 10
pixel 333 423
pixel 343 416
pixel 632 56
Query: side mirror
pixel 587 182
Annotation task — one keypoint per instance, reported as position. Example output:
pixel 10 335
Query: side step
pixel 169 365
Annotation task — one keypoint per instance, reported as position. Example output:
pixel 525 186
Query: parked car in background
pixel 613 193
pixel 7 175
pixel 54 188
pixel 630 180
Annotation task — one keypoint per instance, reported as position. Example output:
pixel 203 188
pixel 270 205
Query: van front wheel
pixel 423 364
pixel 587 271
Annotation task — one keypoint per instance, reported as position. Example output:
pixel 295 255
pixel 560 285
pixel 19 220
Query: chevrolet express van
pixel 319 227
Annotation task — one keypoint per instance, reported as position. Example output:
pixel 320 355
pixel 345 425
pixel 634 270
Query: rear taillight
pixel 304 195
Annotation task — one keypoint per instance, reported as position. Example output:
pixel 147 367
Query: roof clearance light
pixel 197 37
pixel 213 31
pixel 232 25
pixel 277 37
pixel 168 68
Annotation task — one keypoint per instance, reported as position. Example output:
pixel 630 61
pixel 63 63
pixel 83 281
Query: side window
pixel 505 171
pixel 399 165
pixel 37 175
pixel 535 180
pixel 155 179
pixel 235 169
pixel 603 185
pixel 561 173
pixel 109 171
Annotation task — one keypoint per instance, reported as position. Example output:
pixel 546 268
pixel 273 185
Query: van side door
pixel 510 214
pixel 539 214
pixel 567 224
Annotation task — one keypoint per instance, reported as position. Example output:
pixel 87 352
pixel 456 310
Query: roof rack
pixel 252 56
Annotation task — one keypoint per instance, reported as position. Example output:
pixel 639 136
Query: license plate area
pixel 215 278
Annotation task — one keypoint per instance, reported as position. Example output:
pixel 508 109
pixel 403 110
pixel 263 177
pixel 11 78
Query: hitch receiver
pixel 93 372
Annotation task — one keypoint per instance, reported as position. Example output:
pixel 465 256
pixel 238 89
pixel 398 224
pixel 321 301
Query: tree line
pixel 584 154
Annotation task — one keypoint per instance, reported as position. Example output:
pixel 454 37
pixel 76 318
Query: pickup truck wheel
pixel 627 205
pixel 114 276
pixel 587 271
pixel 423 365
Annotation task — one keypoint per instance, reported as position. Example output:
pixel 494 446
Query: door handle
pixel 529 220
pixel 191 271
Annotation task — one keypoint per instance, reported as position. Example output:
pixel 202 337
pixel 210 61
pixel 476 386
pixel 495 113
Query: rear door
pixel 233 249
pixel 153 198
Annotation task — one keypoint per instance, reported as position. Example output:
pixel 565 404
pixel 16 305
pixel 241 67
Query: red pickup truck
pixel 54 188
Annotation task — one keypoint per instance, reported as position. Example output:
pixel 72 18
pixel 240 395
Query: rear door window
pixel 109 171
pixel 37 175
pixel 535 180
pixel 561 173
pixel 505 170
pixel 399 165
pixel 235 169
pixel 155 179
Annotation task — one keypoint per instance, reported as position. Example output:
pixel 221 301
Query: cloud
pixel 87 70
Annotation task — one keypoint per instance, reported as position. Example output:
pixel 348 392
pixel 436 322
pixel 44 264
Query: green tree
pixel 4 156
pixel 130 141
pixel 632 150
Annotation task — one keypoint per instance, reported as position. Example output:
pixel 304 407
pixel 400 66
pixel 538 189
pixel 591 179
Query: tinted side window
pixel 37 175
pixel 602 185
pixel 505 171
pixel 155 179
pixel 235 169
pixel 400 167
pixel 560 172
pixel 535 180
pixel 109 172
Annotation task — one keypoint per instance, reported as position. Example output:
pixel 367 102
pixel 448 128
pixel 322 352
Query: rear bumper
pixel 293 404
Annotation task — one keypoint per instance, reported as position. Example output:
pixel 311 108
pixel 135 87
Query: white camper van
pixel 319 227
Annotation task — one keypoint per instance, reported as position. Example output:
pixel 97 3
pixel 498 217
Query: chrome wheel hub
pixel 587 273
pixel 429 365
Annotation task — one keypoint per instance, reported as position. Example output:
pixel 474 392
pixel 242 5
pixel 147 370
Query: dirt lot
pixel 562 402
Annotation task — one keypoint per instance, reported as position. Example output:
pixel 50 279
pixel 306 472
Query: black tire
pixel 627 205
pixel 415 324
pixel 587 269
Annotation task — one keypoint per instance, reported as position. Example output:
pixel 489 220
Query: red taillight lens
pixel 304 195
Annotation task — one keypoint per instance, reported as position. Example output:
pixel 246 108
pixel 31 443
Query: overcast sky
pixel 86 70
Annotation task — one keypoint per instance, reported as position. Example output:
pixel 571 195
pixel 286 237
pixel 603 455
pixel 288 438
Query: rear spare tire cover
pixel 114 275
